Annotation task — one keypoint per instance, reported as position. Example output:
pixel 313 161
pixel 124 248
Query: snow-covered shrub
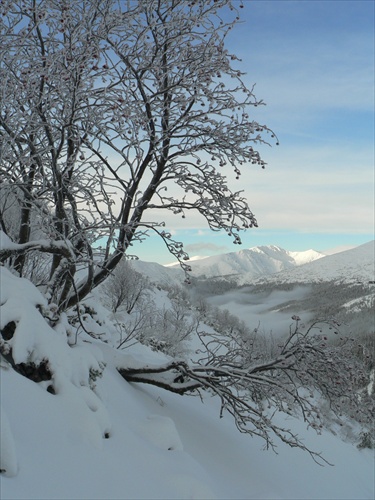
pixel 367 440
pixel 170 329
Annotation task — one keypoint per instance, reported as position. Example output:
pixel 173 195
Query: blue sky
pixel 313 64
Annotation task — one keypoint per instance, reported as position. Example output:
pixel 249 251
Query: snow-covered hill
pixel 351 266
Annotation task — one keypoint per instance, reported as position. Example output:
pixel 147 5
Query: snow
pixel 272 264
pixel 8 456
pixel 207 458
pixel 6 243
pixel 301 258
pixel 356 305
pixel 159 274
pixel 191 259
pixel 106 438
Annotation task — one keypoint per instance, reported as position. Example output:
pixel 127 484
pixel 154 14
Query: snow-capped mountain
pixel 253 262
pixel 351 266
pixel 272 264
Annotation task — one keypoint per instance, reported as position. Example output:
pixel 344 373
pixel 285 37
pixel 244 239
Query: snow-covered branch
pixel 8 248
pixel 307 367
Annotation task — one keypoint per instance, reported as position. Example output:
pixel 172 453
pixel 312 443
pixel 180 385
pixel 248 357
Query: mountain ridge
pixel 254 262
pixel 264 259
pixel 272 264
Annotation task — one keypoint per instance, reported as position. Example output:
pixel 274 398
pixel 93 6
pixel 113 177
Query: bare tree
pixel 125 287
pixel 104 106
pixel 172 328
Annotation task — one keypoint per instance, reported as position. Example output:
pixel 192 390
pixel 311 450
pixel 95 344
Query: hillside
pixel 98 436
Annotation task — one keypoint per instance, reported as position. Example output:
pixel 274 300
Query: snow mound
pixel 68 371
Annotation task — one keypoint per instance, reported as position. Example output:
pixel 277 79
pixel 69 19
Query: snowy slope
pixel 163 446
pixel 351 266
pixel 105 438
pixel 159 274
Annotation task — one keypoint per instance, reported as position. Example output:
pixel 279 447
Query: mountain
pixel 351 266
pixel 253 262
pixel 272 264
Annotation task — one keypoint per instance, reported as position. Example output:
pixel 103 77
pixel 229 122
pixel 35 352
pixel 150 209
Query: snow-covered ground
pixel 100 437
pixel 162 446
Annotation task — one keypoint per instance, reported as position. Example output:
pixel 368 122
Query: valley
pixel 265 286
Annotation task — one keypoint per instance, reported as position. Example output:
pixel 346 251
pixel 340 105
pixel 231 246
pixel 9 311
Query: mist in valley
pixel 269 307
pixel 269 311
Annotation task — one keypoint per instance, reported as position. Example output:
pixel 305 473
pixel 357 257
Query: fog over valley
pixel 264 310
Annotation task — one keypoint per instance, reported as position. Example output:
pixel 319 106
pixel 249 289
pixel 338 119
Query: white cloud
pixel 315 189
pixel 205 246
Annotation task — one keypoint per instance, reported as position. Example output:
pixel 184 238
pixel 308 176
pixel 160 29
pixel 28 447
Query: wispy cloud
pixel 204 247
